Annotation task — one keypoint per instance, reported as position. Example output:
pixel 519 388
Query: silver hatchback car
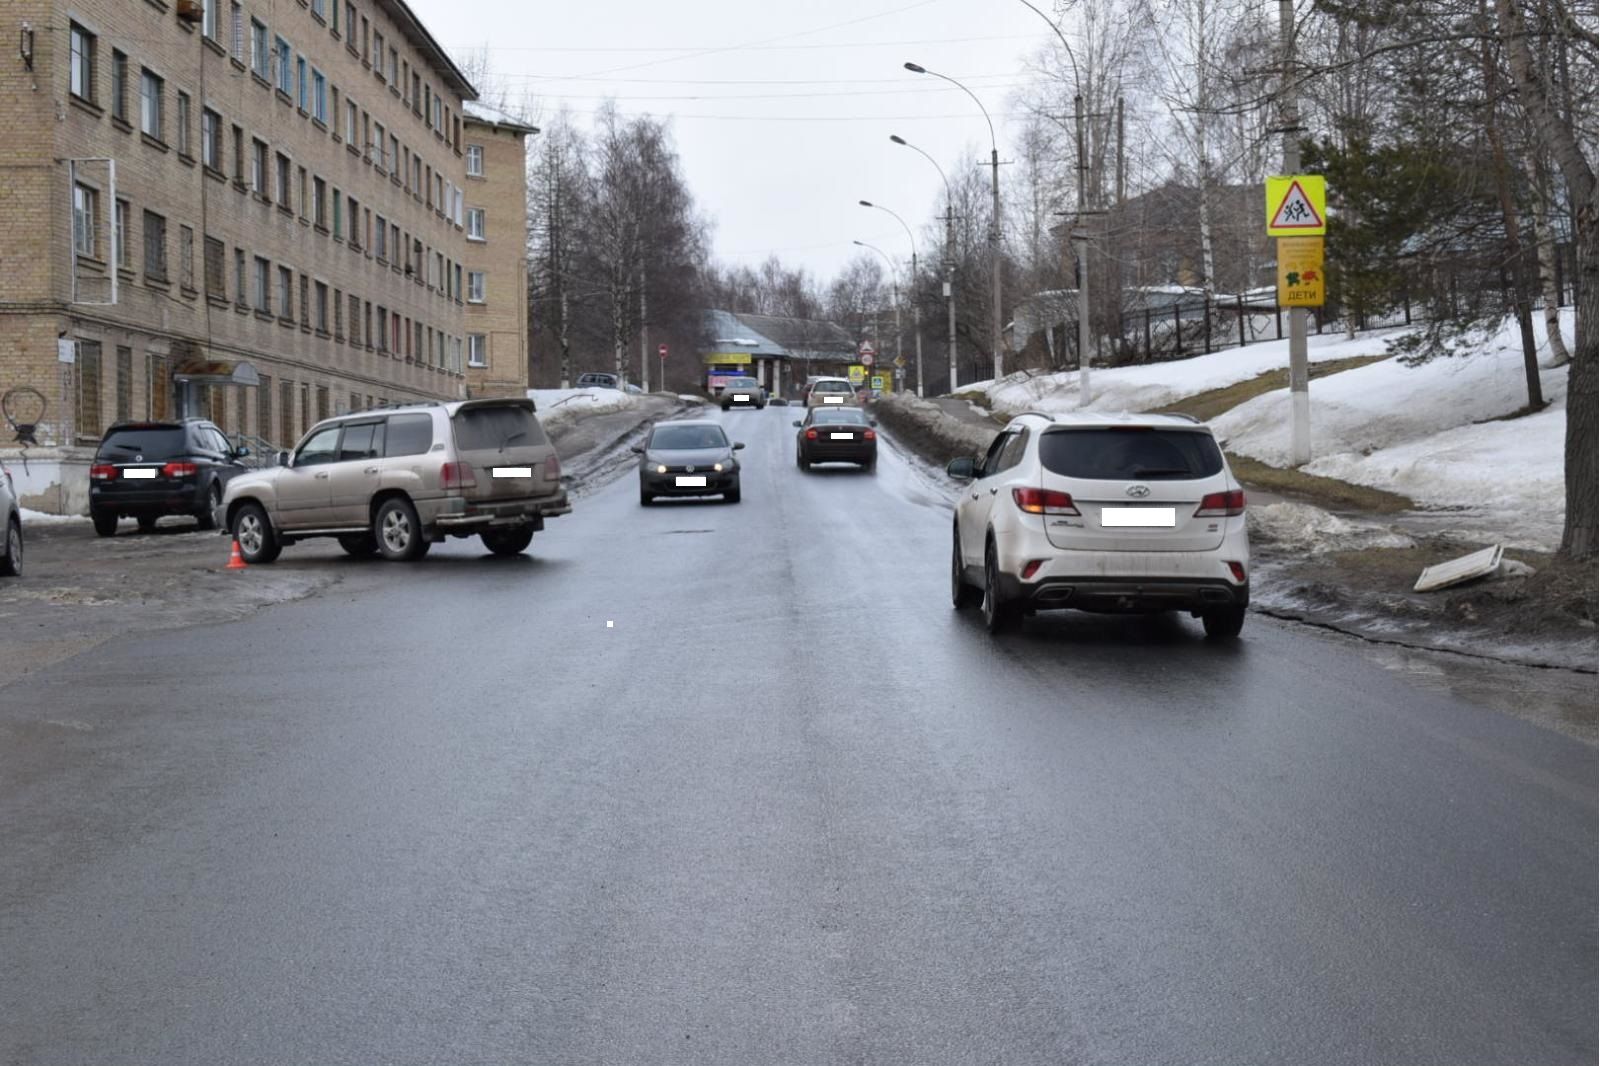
pixel 392 481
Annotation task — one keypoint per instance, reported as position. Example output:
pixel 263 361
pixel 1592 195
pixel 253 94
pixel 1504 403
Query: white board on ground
pixel 1454 572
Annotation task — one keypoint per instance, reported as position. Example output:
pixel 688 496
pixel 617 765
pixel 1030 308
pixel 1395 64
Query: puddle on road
pixel 1562 700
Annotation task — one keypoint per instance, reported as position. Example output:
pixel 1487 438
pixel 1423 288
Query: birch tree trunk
pixel 1557 140
pixel 1545 243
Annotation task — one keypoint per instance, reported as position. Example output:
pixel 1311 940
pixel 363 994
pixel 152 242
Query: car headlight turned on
pixel 716 467
pixel 660 469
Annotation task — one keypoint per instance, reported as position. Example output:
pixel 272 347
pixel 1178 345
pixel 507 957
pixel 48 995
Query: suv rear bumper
pixel 1115 594
pixel 456 514
pixel 162 500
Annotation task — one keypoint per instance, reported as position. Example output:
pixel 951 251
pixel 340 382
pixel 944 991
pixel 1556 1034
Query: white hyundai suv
pixel 1101 512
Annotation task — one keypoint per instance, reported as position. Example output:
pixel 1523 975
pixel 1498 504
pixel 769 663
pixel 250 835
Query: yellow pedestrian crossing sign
pixel 1297 206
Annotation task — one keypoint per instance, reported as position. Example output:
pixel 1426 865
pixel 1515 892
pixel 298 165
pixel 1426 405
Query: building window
pixel 457 291
pixel 475 224
pixel 305 199
pixel 380 246
pixel 83 59
pixel 186 257
pixel 183 123
pixel 264 408
pixel 319 97
pixel 236 30
pixel 320 311
pixel 394 152
pixel 215 279
pixel 211 139
pixel 378 143
pixel 286 294
pixel 281 189
pixel 383 329
pixel 87 394
pixel 85 220
pixel 209 23
pixel 377 52
pixel 286 413
pixel 150 91
pixel 263 286
pixel 285 61
pixel 155 246
pixel 238 156
pixel 319 8
pixel 120 237
pixel 302 84
pixel 124 383
pixel 258 168
pixel 350 111
pixel 240 281
pixel 119 86
pixel 474 160
pixel 305 301
pixel 158 386
pixel 355 320
pixel 394 66
pixel 477 349
pixel 338 215
pixel 338 314
pixel 260 50
pixel 475 286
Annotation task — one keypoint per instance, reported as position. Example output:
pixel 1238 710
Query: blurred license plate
pixel 842 436
pixel 146 473
pixel 687 481
pixel 513 471
pixel 833 399
pixel 1165 517
pixel 741 399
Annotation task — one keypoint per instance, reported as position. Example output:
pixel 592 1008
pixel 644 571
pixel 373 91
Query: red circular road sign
pixel 662 351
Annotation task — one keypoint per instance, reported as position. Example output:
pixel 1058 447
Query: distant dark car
pixel 11 515
pixel 836 435
pixel 688 458
pixel 599 381
pixel 144 470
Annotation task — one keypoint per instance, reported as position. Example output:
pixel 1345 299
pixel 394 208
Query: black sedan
pixel 836 435
pixel 145 470
pixel 688 458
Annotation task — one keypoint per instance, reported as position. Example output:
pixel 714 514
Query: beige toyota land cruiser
pixel 392 481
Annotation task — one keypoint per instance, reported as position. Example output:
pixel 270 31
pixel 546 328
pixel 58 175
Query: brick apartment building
pixel 496 255
pixel 285 227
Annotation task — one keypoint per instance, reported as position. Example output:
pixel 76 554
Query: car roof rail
pixel 415 403
pixel 1047 416
pixel 1185 417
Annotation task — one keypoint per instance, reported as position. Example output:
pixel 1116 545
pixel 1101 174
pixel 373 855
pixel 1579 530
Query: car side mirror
pixel 961 469
pixel 872 421
pixel 637 449
pixel 241 451
pixel 738 444
pixel 1223 443
pixel 283 458
pixel 799 424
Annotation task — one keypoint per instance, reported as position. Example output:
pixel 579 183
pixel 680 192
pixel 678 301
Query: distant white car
pixel 1110 513
pixel 824 391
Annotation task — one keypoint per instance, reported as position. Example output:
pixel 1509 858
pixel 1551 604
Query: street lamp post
pixel 994 226
pixel 894 282
pixel 949 258
pixel 916 305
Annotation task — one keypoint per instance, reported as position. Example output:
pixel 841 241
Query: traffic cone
pixel 235 561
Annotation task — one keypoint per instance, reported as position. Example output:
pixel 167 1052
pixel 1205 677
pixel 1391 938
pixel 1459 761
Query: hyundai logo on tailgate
pixel 1138 492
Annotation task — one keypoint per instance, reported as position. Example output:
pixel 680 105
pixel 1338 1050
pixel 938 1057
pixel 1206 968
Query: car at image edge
pixel 1107 513
pixel 11 515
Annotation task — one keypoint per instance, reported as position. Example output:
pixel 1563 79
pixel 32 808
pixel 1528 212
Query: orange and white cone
pixel 235 561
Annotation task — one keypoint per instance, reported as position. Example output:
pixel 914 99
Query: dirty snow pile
pixel 1143 388
pixel 560 406
pixel 1299 527
pixel 1424 432
pixel 41 518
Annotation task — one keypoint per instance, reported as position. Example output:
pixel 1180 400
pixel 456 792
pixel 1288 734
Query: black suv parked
pixel 144 470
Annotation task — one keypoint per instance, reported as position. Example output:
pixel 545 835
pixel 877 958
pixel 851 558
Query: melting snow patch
pixel 1302 527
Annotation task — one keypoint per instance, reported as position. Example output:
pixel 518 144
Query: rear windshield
pixel 832 386
pixel 744 383
pixel 408 435
pixel 839 414
pixel 683 438
pixel 162 442
pixel 494 428
pixel 1131 453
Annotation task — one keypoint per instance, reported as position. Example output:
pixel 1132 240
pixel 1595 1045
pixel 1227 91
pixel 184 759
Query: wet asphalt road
pixel 788 808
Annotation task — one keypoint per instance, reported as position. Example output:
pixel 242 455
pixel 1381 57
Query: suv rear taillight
pixel 102 473
pixel 811 434
pixel 552 468
pixel 1221 504
pixel 457 476
pixel 870 435
pixel 1043 501
pixel 180 470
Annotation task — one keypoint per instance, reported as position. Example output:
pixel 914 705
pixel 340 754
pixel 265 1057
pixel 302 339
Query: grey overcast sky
pixel 781 112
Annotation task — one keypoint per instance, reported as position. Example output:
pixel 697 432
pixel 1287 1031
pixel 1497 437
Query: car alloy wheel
pixel 11 562
pixel 998 615
pixel 399 532
pixel 257 542
pixel 208 517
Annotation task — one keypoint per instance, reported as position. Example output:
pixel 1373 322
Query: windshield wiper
pixel 511 437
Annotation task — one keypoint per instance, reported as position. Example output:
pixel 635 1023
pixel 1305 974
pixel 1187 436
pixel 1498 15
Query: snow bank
pixel 1412 430
pixel 1142 388
pixel 560 407
pixel 1299 527
pixel 41 518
